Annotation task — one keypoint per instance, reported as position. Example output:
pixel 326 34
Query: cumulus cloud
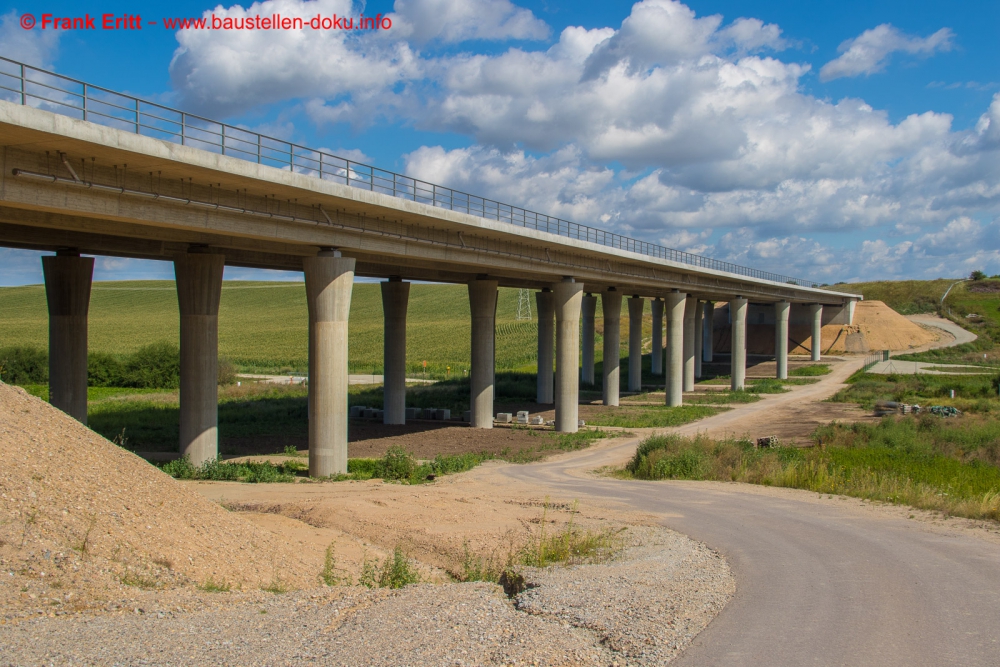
pixel 868 52
pixel 221 72
pixel 34 47
pixel 451 21
pixel 670 127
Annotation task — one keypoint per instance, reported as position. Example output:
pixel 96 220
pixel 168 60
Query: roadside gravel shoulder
pixel 641 608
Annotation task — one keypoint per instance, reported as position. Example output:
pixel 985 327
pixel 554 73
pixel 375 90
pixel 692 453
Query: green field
pixel 263 325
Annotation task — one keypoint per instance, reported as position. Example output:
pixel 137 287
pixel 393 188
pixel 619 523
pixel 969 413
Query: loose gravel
pixel 642 608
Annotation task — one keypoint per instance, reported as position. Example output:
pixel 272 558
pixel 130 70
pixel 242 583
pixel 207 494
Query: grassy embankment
pixel 951 465
pixel 974 305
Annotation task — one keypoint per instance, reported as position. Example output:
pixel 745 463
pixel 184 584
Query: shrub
pixel 397 464
pixel 395 571
pixel 24 365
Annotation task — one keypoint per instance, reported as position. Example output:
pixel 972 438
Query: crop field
pixel 263 325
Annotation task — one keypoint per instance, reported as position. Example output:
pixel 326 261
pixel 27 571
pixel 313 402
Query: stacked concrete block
pixel 522 417
pixel 504 417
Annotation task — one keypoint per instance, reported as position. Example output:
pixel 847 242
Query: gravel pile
pixel 640 609
pixel 84 522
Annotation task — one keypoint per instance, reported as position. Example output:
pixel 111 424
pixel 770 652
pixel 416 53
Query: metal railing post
pixel 24 87
pixel 85 101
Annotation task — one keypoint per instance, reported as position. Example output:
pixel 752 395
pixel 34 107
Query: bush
pixel 977 275
pixel 24 365
pixel 397 464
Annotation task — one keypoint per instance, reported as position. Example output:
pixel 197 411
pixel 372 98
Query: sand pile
pixel 876 327
pixel 81 518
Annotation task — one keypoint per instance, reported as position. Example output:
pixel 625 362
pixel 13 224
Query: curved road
pixel 818 582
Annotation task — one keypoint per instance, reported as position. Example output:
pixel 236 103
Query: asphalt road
pixel 817 583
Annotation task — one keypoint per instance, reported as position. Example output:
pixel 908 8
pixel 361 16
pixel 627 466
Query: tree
pixel 977 275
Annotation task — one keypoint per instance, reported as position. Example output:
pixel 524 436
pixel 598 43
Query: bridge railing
pixel 38 88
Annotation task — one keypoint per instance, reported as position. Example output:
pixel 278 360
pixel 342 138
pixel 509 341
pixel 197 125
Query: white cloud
pixel 868 52
pixel 671 127
pixel 452 21
pixel 35 47
pixel 220 72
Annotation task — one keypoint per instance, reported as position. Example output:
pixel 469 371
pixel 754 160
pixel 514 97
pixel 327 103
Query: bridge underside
pixel 76 188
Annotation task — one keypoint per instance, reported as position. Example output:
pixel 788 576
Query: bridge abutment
pixel 199 290
pixel 545 306
pixel 483 307
pixel 611 304
pixel 781 309
pixel 635 307
pixel 568 300
pixel 675 303
pixel 738 346
pixel 68 279
pixel 329 283
pixel 395 298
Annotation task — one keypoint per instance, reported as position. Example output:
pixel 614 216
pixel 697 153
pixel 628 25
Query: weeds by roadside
pixel 395 571
pixel 923 462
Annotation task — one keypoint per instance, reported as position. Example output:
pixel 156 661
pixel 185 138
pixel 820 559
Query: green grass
pixel 926 462
pixel 973 393
pixel 722 397
pixel 810 371
pixel 906 297
pixel 652 417
pixel 263 325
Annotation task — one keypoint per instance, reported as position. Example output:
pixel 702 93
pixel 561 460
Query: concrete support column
pixel 674 307
pixel 699 337
pixel 395 298
pixel 199 289
pixel 483 305
pixel 67 290
pixel 689 306
pixel 635 307
pixel 329 283
pixel 546 356
pixel 568 300
pixel 656 356
pixel 816 310
pixel 611 304
pixel 781 309
pixel 738 315
pixel 708 332
pixel 589 311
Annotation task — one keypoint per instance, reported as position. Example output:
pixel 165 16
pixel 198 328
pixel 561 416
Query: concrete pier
pixel 635 307
pixel 199 289
pixel 699 337
pixel 708 332
pixel 395 298
pixel 816 311
pixel 568 301
pixel 588 313
pixel 546 356
pixel 781 309
pixel 611 304
pixel 68 278
pixel 656 356
pixel 738 368
pixel 483 306
pixel 329 283
pixel 689 305
pixel 674 308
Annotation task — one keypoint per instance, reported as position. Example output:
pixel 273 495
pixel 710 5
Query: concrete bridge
pixel 88 171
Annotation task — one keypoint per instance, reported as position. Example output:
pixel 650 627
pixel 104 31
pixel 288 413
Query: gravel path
pixel 640 609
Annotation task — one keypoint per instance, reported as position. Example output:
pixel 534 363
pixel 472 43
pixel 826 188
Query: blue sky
pixel 847 141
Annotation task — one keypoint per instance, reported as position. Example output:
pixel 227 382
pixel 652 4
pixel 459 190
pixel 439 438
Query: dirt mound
pixel 81 518
pixel 876 327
